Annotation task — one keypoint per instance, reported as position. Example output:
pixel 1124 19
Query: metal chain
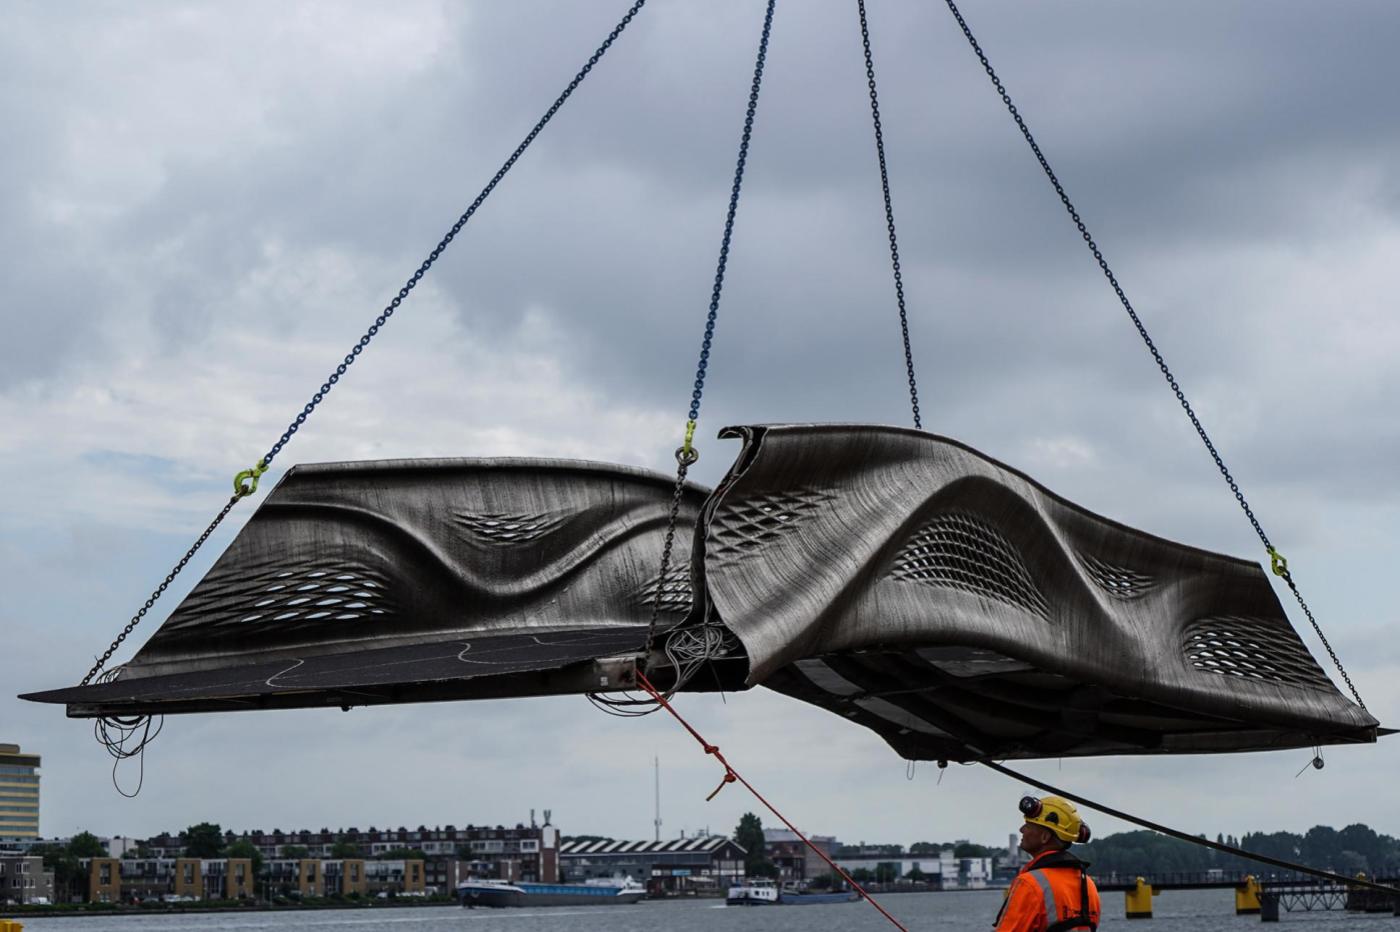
pixel 729 217
pixel 889 214
pixel 684 460
pixel 1280 568
pixel 1287 577
pixel 441 247
pixel 369 335
pixel 687 455
pixel 160 590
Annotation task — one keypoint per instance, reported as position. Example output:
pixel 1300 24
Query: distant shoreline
pixel 60 911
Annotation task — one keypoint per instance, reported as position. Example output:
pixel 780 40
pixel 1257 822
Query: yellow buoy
pixel 1139 900
pixel 1247 897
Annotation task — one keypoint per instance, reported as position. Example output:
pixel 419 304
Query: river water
pixel 1198 910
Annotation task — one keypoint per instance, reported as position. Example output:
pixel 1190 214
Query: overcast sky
pixel 203 206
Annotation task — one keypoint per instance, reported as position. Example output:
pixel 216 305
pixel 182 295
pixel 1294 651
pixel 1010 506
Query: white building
pixel 943 869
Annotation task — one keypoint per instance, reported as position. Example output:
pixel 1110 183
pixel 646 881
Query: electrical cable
pixel 1183 836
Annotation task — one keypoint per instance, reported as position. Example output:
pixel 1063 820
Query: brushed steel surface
pixel 899 579
pixel 847 557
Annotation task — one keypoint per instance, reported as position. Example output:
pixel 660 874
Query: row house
pixel 113 880
pixel 522 853
pixel 347 877
pixel 316 877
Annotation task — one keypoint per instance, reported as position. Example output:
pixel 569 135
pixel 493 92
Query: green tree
pixel 925 847
pixel 916 875
pixel 1320 846
pixel 86 845
pixel 966 849
pixel 748 834
pixel 243 848
pixel 1365 842
pixel 345 849
pixel 294 851
pixel 205 840
pixel 68 875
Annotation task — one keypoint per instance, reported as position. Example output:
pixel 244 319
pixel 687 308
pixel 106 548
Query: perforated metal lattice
pixel 746 525
pixel 959 551
pixel 507 528
pixel 277 593
pixel 316 595
pixel 674 592
pixel 1251 648
pixel 1117 581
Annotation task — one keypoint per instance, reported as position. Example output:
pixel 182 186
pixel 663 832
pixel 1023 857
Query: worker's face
pixel 1034 838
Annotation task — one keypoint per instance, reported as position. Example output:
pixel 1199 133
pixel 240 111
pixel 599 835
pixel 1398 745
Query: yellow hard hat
pixel 1056 814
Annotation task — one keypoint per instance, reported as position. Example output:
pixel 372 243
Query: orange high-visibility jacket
pixel 1051 894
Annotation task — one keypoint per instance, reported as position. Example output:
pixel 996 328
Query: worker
pixel 1053 892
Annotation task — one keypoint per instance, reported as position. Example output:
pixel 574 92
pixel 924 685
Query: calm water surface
pixel 1199 910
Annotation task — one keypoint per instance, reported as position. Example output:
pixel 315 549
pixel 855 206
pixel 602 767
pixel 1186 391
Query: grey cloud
pixel 1227 158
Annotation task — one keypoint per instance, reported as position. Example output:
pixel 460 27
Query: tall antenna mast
pixel 656 823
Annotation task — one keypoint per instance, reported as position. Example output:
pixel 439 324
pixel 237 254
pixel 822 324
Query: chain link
pixel 684 460
pixel 754 88
pixel 1142 332
pixel 379 322
pixel 441 247
pixel 889 214
pixel 160 590
pixel 1293 587
pixel 687 455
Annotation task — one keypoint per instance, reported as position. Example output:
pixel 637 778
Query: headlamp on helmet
pixel 1056 814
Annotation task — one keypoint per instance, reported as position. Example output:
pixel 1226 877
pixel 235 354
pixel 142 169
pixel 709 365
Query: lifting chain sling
pixel 1277 563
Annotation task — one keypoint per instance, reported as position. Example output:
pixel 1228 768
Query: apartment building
pixel 19 793
pixel 24 880
pixel 113 880
pixel 317 877
pixel 519 853
pixel 797 863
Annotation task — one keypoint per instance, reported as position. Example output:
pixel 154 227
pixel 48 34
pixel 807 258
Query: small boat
pixel 500 893
pixel 767 893
pixel 753 893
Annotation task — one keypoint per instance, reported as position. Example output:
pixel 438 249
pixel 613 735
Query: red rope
pixel 732 776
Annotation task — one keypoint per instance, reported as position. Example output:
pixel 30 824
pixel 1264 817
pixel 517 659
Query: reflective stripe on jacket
pixel 1048 895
